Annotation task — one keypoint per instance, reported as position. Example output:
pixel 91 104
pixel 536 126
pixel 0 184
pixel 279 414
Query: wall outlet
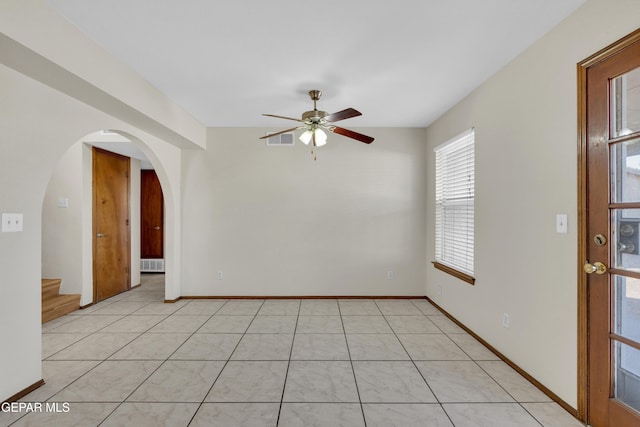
pixel 506 320
pixel 11 222
pixel 439 290
pixel 390 274
pixel 220 276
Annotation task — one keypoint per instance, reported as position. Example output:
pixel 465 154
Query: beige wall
pixel 63 256
pixel 276 222
pixel 62 227
pixel 39 125
pixel 525 119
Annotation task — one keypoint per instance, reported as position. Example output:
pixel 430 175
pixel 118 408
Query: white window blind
pixel 455 179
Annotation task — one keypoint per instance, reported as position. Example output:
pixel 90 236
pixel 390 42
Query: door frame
pixel 583 306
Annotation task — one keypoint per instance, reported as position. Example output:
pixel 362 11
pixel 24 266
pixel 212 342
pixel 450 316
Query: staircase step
pixel 58 306
pixel 50 288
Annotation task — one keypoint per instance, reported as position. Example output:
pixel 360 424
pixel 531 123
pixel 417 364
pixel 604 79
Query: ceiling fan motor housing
pixel 314 116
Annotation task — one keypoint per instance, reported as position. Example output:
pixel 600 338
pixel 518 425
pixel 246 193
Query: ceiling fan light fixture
pixel 321 137
pixel 305 138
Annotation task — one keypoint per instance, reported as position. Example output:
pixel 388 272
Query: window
pixel 455 178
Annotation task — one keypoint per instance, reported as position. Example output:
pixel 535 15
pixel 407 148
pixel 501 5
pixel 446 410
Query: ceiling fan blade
pixel 351 134
pixel 344 114
pixel 283 117
pixel 277 133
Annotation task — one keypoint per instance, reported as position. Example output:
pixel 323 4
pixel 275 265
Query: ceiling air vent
pixel 284 139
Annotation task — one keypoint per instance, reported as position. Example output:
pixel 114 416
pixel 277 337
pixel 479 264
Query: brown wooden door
pixel 111 234
pixel 612 244
pixel 152 216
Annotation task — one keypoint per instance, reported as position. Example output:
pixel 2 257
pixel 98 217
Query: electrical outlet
pixel 220 275
pixel 506 320
pixel 11 222
pixel 390 274
pixel 439 290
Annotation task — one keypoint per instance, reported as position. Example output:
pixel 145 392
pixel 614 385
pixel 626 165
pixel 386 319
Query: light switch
pixel 63 202
pixel 561 223
pixel 11 222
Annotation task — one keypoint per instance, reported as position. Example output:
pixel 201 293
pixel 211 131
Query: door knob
pixel 102 235
pixel 597 267
pixel 156 228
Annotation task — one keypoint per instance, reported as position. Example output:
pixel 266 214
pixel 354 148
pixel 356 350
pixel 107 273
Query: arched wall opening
pixel 67 214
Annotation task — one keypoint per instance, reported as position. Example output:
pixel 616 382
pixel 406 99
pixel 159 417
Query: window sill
pixel 455 273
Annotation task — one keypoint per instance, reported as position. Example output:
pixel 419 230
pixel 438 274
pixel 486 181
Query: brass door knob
pixel 597 267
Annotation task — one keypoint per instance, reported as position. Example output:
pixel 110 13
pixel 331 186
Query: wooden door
pixel 152 216
pixel 111 233
pixel 612 235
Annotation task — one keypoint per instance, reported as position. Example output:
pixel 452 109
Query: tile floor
pixel 135 361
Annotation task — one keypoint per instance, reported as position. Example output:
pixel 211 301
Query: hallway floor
pixel 134 361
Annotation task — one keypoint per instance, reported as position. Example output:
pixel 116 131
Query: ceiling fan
pixel 316 122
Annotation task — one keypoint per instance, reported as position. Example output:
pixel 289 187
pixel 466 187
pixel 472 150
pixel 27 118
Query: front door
pixel 612 235
pixel 111 235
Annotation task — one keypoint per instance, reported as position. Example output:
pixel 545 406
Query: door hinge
pixel 126 174
pixel 126 221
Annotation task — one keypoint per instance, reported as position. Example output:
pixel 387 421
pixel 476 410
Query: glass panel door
pixel 624 214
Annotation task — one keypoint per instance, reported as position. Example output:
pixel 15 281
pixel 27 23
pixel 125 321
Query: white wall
pixel 275 222
pixel 526 172
pixel 62 227
pixel 38 126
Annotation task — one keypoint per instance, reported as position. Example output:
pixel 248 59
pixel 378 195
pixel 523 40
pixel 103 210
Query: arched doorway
pixel 67 215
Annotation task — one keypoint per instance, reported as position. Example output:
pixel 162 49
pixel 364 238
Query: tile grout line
pixel 353 371
pixel 286 375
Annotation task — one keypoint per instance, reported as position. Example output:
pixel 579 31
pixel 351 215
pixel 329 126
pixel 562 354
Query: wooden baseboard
pixel 532 380
pixel 298 297
pixel 19 395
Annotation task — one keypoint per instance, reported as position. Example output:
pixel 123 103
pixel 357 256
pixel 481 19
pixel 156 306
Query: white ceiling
pixel 401 63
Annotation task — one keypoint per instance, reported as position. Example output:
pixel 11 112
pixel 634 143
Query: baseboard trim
pixel 532 380
pixel 19 395
pixel 82 307
pixel 299 297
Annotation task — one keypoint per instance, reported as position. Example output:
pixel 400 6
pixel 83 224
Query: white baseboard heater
pixel 152 266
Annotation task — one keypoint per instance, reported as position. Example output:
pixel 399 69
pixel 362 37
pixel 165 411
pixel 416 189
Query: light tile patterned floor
pixel 135 361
